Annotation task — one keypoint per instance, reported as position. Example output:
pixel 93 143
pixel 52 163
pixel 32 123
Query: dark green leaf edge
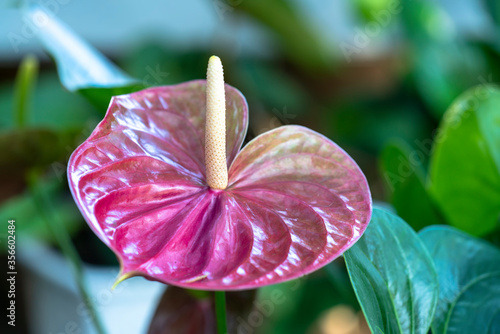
pixel 473 282
pixel 407 267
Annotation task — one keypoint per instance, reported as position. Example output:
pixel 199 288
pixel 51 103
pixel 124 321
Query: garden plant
pixel 176 185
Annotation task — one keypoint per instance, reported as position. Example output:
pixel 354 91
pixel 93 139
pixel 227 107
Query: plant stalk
pixel 220 312
pixel 25 82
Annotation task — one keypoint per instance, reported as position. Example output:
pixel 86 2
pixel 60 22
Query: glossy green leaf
pixel 469 277
pixel 80 66
pixel 393 276
pixel 465 165
pixel 403 172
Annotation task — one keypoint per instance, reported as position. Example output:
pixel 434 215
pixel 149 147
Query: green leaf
pixel 465 165
pixel 80 66
pixel 393 276
pixel 403 172
pixel 469 278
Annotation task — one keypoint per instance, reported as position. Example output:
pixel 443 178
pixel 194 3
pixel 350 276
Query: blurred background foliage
pixel 378 86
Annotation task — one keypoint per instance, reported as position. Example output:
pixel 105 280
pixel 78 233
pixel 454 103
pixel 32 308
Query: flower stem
pixel 220 312
pixel 215 127
pixel 25 82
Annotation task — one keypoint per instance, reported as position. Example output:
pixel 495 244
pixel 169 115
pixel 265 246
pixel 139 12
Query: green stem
pixel 220 312
pixel 44 206
pixel 25 82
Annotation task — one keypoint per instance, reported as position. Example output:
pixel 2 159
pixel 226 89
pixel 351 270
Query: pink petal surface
pixel 295 200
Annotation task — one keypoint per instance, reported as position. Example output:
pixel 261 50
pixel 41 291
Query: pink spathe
pixel 295 201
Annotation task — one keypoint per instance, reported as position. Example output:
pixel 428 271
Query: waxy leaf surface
pixel 295 201
pixel 393 276
pixel 464 172
pixel 469 281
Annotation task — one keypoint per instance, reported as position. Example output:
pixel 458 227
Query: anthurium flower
pixel 166 186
